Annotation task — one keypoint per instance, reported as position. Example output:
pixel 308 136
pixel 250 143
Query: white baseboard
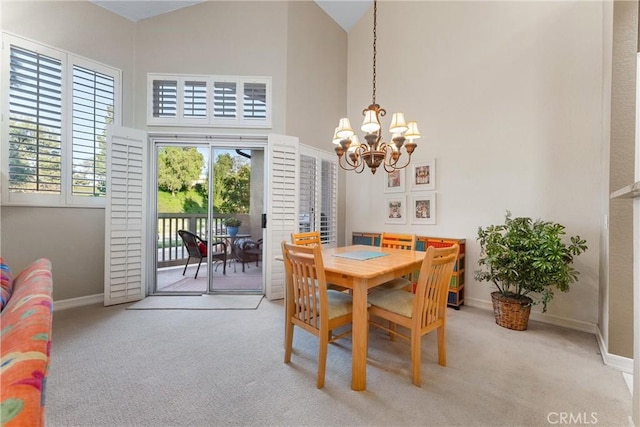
pixel 577 325
pixel 623 364
pixel 78 302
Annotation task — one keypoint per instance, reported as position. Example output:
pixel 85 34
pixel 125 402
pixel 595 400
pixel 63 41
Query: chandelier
pixel 353 155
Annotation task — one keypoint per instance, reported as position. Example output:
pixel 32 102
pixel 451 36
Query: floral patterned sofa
pixel 25 342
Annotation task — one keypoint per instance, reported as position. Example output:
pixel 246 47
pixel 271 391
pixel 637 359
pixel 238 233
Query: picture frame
pixel 423 176
pixel 423 208
pixel 395 210
pixel 394 182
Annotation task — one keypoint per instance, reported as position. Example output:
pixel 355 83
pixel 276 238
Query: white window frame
pixel 68 60
pixel 240 121
pixel 321 156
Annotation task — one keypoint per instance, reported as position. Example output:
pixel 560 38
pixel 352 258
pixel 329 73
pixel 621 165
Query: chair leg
pixel 288 341
pixel 416 351
pixel 185 266
pixel 224 266
pixel 442 345
pixel 394 328
pixel 198 269
pixel 322 358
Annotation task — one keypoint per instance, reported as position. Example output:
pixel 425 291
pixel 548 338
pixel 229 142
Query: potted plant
pixel 526 261
pixel 232 225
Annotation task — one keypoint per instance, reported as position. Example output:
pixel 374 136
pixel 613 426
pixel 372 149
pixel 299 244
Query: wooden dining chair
pixel 398 241
pixel 307 238
pixel 313 238
pixel 421 312
pixel 309 304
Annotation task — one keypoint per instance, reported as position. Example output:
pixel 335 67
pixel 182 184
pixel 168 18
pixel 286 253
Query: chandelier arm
pixel 390 167
pixel 345 168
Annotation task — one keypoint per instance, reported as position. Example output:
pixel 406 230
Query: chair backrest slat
pixel 433 284
pixel 307 238
pixel 398 241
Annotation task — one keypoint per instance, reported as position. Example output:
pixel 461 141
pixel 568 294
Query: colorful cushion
pixel 203 248
pixel 26 342
pixel 6 283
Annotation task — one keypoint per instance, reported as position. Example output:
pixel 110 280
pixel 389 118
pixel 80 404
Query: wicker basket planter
pixel 511 313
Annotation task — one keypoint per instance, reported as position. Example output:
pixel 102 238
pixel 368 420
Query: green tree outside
pixel 178 168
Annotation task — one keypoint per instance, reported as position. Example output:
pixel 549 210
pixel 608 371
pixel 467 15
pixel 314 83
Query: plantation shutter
pixel 318 194
pixel 307 194
pixel 255 101
pixel 125 216
pixel 282 209
pixel 225 103
pixel 165 98
pixel 329 203
pixel 195 99
pixel 35 122
pixel 93 109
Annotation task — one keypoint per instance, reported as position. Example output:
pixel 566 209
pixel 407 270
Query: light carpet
pixel 198 302
pixel 202 368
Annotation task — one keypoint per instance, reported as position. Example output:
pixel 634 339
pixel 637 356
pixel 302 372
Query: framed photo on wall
pixel 394 181
pixel 423 208
pixel 423 176
pixel 395 210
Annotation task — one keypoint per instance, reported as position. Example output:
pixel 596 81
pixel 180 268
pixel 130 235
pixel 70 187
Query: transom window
pixel 54 142
pixel 217 101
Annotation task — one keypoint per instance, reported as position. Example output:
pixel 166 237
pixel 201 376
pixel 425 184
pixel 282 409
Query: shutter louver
pixel 93 110
pixel 195 99
pixel 35 122
pixel 225 100
pixel 165 98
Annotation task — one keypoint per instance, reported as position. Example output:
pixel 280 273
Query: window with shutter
pixel 35 122
pixel 165 98
pixel 307 193
pixel 54 141
pixel 225 101
pixel 93 105
pixel 317 192
pixel 195 99
pixel 215 101
pixel 255 100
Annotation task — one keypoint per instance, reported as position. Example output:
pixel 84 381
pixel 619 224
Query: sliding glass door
pixel 201 189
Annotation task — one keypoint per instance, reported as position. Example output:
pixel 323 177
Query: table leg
pixel 360 336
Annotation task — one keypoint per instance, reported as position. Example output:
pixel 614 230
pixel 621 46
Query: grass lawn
pixel 189 201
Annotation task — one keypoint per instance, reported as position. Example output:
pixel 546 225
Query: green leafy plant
pixel 232 222
pixel 525 258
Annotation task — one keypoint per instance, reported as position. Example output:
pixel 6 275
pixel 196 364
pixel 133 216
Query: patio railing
pixel 171 251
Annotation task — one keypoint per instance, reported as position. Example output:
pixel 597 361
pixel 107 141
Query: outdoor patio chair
pixel 198 248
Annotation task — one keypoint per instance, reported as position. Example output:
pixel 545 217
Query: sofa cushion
pixel 25 343
pixel 6 283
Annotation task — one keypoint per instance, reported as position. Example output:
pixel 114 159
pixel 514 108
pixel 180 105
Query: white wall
pixel 508 96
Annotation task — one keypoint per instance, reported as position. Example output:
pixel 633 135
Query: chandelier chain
pixel 375 37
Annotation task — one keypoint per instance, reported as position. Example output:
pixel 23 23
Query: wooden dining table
pixel 360 275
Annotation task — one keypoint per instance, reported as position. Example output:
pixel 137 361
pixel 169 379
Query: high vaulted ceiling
pixel 345 12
